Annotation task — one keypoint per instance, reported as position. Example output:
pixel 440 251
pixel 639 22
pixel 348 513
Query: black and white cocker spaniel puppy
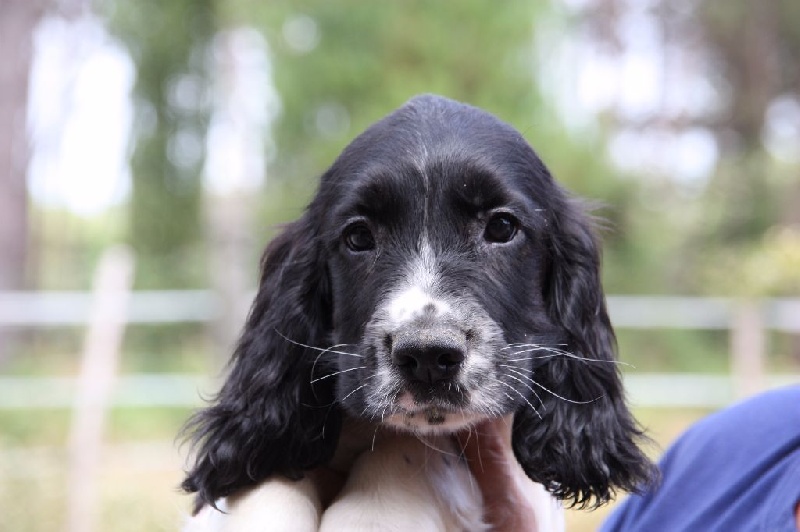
pixel 439 277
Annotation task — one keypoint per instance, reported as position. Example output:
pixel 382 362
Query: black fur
pixel 267 419
pixel 580 451
pixel 434 170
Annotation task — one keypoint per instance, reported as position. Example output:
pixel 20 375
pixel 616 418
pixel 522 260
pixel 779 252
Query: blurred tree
pixel 370 60
pixel 341 65
pixel 744 55
pixel 730 71
pixel 757 50
pixel 18 19
pixel 169 43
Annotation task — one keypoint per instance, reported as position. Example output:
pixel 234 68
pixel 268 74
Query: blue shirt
pixel 736 470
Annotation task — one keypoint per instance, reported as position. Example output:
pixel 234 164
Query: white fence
pixel 55 309
pixel 747 321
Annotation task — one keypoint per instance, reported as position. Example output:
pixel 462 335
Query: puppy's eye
pixel 500 228
pixel 358 238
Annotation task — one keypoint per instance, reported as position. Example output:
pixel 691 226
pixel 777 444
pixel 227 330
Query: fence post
pixel 111 291
pixel 229 232
pixel 748 348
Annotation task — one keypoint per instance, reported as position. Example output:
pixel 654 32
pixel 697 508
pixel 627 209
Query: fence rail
pixel 70 308
pixel 747 321
pixel 652 390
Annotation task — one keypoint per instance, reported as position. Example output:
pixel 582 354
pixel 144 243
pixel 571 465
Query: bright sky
pixel 641 80
pixel 79 117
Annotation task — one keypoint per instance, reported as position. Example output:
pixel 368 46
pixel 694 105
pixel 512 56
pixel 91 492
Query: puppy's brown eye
pixel 359 238
pixel 500 228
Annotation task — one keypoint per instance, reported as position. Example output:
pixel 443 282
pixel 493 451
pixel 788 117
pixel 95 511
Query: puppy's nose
pixel 430 360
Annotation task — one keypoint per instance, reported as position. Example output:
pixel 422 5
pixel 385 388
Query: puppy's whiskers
pixel 378 426
pixel 510 399
pixel 551 392
pixel 552 353
pixel 374 437
pixel 528 386
pixel 336 373
pixel 461 456
pixel 353 391
pixel 323 350
pixel 522 396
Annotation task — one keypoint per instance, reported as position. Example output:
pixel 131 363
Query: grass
pixel 139 471
pixel 141 467
pixel 129 499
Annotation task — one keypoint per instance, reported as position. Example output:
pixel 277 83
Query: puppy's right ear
pixel 267 419
pixel 583 443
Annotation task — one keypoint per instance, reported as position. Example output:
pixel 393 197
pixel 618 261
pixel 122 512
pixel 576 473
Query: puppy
pixel 440 277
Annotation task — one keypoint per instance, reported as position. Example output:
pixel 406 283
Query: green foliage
pixel 373 56
pixel 169 43
pixel 734 247
pixel 743 241
pixel 365 59
pixel 674 351
pixel 770 266
pixel 69 246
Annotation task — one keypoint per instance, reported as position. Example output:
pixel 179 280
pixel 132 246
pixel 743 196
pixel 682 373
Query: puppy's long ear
pixel 584 443
pixel 267 419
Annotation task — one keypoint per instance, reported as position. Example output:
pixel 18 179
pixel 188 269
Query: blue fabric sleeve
pixel 738 469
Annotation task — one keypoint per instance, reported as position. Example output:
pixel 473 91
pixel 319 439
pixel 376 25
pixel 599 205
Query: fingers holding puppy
pixel 511 500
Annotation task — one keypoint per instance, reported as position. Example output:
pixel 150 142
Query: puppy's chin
pixel 433 420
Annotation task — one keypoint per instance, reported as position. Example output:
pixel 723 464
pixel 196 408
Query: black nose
pixel 428 362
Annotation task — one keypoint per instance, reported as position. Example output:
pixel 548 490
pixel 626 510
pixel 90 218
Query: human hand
pixel 512 501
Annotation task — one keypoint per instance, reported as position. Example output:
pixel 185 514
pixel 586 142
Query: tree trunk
pixel 18 18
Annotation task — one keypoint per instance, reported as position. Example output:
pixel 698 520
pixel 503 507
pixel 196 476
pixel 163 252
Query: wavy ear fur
pixel 584 444
pixel 267 419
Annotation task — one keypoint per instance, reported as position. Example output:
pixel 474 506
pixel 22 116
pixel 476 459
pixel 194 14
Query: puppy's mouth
pixel 428 417
pixel 432 415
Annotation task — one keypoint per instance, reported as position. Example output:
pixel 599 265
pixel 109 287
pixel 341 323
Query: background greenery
pixel 736 235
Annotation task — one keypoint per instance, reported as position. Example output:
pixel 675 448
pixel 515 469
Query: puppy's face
pixel 439 276
pixel 437 264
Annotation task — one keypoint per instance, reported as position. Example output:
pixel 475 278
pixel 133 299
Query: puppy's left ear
pixel 270 418
pixel 582 443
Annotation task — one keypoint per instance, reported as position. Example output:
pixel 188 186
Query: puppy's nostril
pixel 405 361
pixel 428 363
pixel 450 359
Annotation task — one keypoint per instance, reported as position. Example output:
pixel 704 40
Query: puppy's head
pixel 439 277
